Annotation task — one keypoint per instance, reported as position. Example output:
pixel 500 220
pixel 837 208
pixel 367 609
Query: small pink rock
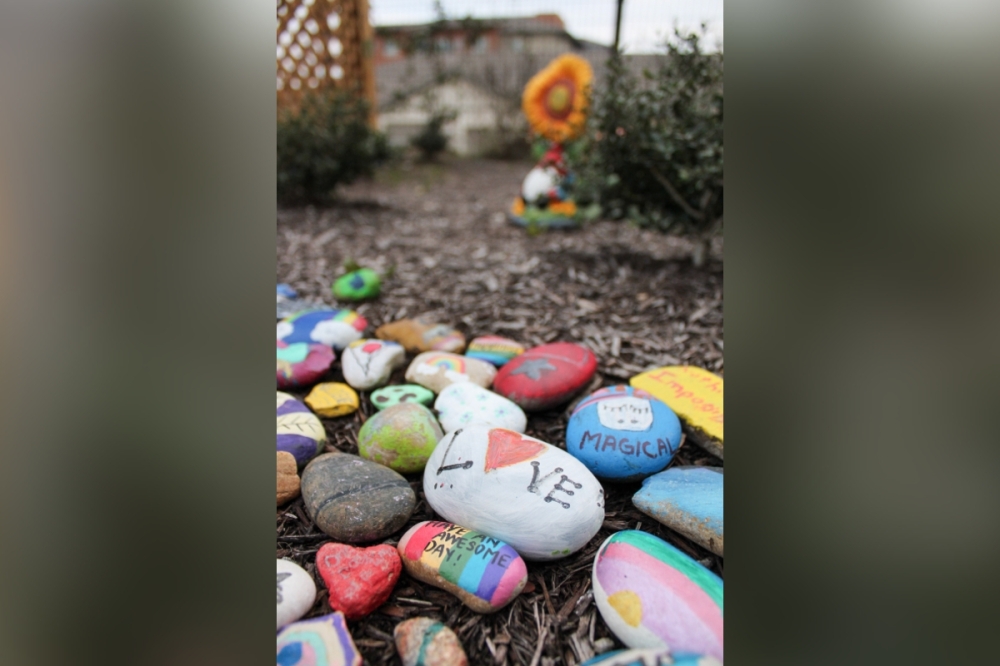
pixel 302 364
pixel 359 579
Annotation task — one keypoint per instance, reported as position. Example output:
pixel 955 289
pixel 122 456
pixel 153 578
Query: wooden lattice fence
pixel 324 44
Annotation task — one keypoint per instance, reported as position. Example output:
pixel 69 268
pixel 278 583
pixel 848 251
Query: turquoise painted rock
pixel 357 285
pixel 321 641
pixel 400 393
pixel 401 437
pixel 650 657
pixel 687 500
pixel 355 500
pixel 623 434
pixel 652 595
pixel 422 641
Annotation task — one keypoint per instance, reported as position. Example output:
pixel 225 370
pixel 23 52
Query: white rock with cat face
pixel 536 497
pixel 368 363
pixel 464 403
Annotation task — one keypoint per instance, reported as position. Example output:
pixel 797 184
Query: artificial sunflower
pixel 555 99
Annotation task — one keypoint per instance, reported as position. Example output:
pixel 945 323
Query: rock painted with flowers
pixel 623 434
pixel 485 573
pixel 532 495
pixel 302 364
pixel 299 431
pixel 320 641
pixel 369 363
pixel 546 376
pixel 651 595
pixel 334 328
pixel 555 103
pixel 695 395
pixel 436 370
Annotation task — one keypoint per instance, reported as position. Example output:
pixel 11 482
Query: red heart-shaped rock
pixel 359 579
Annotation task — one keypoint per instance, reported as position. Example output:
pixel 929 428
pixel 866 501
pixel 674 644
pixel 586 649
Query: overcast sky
pixel 644 22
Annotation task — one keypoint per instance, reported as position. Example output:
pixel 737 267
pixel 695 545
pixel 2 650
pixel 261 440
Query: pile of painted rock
pixel 505 499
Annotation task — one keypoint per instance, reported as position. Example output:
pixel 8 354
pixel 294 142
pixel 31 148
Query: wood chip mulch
pixel 630 295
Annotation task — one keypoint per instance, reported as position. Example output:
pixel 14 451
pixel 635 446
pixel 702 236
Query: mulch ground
pixel 632 296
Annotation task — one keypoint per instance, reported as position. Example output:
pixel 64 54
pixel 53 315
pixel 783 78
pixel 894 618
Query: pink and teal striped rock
pixel 321 641
pixel 652 595
pixel 485 573
pixel 649 657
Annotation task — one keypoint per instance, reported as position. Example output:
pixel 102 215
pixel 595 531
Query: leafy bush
pixel 325 143
pixel 653 150
pixel 432 140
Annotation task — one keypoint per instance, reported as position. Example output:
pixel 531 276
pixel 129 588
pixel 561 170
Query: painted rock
pixel 369 363
pixel 296 592
pixel 435 370
pixel 357 285
pixel 359 580
pixel 288 477
pixel 650 594
pixel 536 497
pixel 546 376
pixel 355 500
pixel 464 404
pixel 422 641
pixel 623 434
pixel 400 393
pixel 334 328
pixel 649 657
pixel 420 335
pixel 400 437
pixel 687 500
pixel 321 641
pixel 493 350
pixel 301 364
pixel 299 431
pixel 696 396
pixel 641 657
pixel 332 399
pixel 484 573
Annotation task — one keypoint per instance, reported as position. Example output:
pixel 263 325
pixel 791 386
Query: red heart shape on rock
pixel 359 579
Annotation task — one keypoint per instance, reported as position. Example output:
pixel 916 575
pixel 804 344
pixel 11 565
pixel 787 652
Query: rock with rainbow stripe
pixel 652 595
pixel 485 573
pixel 436 370
pixel 321 641
pixel 493 349
pixel 334 328
pixel 422 641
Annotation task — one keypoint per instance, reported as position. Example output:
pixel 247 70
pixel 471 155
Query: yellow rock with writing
pixel 332 399
pixel 695 395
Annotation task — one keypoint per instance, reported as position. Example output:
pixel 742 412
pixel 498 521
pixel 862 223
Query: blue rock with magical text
pixel 623 434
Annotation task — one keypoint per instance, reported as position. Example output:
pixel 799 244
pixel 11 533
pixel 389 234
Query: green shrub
pixel 325 143
pixel 653 151
pixel 432 140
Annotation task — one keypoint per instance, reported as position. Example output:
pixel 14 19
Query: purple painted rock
pixel 422 641
pixel 546 376
pixel 302 364
pixel 355 500
pixel 299 431
pixel 321 641
pixel 400 437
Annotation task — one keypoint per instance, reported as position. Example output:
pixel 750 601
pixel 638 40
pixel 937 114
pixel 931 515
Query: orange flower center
pixel 559 99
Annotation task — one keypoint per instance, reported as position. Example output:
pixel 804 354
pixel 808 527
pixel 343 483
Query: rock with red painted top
pixel 369 363
pixel 546 376
pixel 422 641
pixel 359 579
pixel 536 497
